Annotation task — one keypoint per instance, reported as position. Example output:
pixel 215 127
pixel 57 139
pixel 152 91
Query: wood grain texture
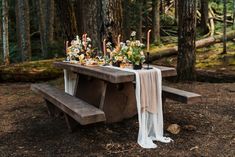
pixel 180 95
pixel 76 108
pixel 117 100
pixel 109 74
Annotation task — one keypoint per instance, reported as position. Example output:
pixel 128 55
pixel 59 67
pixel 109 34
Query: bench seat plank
pixel 180 95
pixel 78 109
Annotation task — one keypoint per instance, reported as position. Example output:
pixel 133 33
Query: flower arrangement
pixel 129 52
pixel 134 50
pixel 117 56
pixel 80 49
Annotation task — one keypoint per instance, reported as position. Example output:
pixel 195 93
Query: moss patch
pixel 30 71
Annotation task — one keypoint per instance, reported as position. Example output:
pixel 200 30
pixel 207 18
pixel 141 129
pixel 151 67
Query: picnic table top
pixel 109 74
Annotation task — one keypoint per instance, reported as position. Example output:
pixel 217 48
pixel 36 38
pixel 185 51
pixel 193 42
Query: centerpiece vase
pixel 116 64
pixel 137 67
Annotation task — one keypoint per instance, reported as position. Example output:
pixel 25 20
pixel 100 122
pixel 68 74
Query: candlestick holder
pixel 148 60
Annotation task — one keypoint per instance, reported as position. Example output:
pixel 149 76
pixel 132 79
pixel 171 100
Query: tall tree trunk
pixel 140 19
pixel 176 11
pixel 156 21
pixel 6 58
pixel 112 19
pixel 204 16
pixel 126 17
pixel 1 29
pixel 90 20
pixel 224 28
pixel 23 29
pixel 186 40
pixel 67 18
pixel 233 14
pixel 42 27
pixel 162 7
pixel 50 14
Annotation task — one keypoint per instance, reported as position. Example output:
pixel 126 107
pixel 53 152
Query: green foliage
pixel 167 20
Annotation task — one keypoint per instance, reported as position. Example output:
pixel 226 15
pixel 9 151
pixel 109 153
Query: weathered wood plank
pixel 109 74
pixel 180 95
pixel 100 72
pixel 78 109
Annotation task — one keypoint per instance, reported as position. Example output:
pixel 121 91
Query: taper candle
pixel 104 47
pixel 66 46
pixel 118 42
pixel 85 35
pixel 148 39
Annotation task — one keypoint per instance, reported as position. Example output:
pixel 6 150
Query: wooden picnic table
pixel 108 89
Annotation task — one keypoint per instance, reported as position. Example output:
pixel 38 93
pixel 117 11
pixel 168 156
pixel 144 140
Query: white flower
pixel 133 33
pixel 122 44
pixel 142 53
pixel 88 39
pixel 137 43
pixel 108 44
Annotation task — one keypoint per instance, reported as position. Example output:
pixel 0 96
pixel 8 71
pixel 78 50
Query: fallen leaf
pixel 174 128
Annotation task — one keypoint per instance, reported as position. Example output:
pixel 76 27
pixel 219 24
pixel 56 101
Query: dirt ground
pixel 207 128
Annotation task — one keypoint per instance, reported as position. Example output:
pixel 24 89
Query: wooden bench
pixel 180 95
pixel 73 108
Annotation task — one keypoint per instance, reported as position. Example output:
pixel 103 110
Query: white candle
pixel 77 37
pixel 104 47
pixel 66 46
pixel 119 37
pixel 85 35
pixel 148 39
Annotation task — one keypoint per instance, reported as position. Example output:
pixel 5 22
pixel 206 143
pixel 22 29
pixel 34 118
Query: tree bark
pixel 233 14
pixel 67 18
pixel 50 14
pixel 6 58
pixel 90 20
pixel 1 29
pixel 162 6
pixel 224 28
pixel 126 17
pixel 186 40
pixel 204 16
pixel 112 19
pixel 156 21
pixel 23 29
pixel 100 19
pixel 170 51
pixel 42 27
pixel 176 11
pixel 140 20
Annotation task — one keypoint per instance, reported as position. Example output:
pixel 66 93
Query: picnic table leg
pixel 51 108
pixel 71 123
pixel 119 102
pixel 53 111
pixel 116 100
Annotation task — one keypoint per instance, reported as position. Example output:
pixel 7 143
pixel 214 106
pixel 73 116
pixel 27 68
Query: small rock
pixel 190 127
pixel 174 129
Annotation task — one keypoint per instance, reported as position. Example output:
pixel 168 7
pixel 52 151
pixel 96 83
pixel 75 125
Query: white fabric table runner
pixel 149 105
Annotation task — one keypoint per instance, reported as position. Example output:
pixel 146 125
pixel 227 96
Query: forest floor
pixel 207 128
